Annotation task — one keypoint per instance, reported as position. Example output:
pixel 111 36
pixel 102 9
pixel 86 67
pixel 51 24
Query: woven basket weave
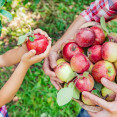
pixel 86 107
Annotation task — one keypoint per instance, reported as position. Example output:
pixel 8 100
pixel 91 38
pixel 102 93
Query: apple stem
pixel 30 28
pixel 105 97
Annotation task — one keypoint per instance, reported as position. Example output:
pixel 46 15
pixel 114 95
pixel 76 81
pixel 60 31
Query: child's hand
pixel 30 58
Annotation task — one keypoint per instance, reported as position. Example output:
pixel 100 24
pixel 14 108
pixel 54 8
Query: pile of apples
pixel 86 60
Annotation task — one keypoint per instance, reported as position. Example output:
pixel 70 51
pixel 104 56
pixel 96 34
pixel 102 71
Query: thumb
pixel 53 58
pixel 31 53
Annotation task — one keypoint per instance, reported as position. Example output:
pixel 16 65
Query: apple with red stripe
pixel 70 49
pixel 37 42
pixel 103 69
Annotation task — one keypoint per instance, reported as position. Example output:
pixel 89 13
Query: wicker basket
pixel 86 107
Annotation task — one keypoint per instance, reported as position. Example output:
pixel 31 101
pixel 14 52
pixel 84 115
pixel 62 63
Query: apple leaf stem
pixel 103 24
pixel 76 92
pixel 85 74
pixel 23 38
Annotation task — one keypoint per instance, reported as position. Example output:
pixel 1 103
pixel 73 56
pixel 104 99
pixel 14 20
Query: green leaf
pixel 25 2
pixel 21 39
pixel 85 74
pixel 9 0
pixel 103 24
pixel 6 14
pixel 28 34
pixel 0 28
pixel 98 86
pixel 36 1
pixel 64 96
pixel 2 2
pixel 31 39
pixel 96 92
pixel 76 93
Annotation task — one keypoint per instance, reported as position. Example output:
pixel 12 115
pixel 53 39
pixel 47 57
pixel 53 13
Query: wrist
pixel 56 47
pixel 25 65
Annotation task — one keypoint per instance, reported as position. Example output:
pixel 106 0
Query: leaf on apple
pixel 64 96
pixel 103 24
pixel 85 74
pixel 21 39
pixel 76 93
pixel 28 34
pixel 98 86
pixel 96 92
pixel 31 39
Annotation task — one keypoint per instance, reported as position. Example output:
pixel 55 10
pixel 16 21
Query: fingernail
pixel 84 93
pixel 33 51
pixel 104 80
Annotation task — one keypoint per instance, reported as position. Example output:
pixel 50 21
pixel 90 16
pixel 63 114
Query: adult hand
pixel 109 108
pixel 49 65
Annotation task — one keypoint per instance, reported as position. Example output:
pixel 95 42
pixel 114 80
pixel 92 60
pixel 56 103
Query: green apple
pixel 115 65
pixel 87 101
pixel 109 93
pixel 61 60
pixel 64 72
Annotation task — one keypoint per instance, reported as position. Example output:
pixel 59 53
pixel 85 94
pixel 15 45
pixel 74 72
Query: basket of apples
pixel 90 56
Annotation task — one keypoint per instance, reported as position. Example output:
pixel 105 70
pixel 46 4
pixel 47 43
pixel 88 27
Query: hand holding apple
pixel 108 108
pixel 39 42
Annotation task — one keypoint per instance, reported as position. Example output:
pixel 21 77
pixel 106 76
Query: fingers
pixel 40 57
pixel 30 54
pixel 98 101
pixel 46 68
pixel 53 58
pixel 55 84
pixel 92 114
pixel 56 79
pixel 42 33
pixel 110 85
pixel 47 49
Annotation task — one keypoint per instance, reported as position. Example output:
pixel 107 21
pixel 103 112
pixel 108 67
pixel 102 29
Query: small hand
pixel 109 108
pixel 30 58
pixel 24 47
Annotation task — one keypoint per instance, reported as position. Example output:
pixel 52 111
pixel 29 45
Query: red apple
pixel 103 69
pixel 83 83
pixel 39 44
pixel 109 93
pixel 85 37
pixel 87 101
pixel 64 43
pixel 64 72
pixel 99 34
pixel 94 53
pixel 79 63
pixel 109 51
pixel 113 37
pixel 70 49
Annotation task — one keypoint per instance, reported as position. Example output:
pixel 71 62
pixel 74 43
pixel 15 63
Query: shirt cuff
pixel 87 15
